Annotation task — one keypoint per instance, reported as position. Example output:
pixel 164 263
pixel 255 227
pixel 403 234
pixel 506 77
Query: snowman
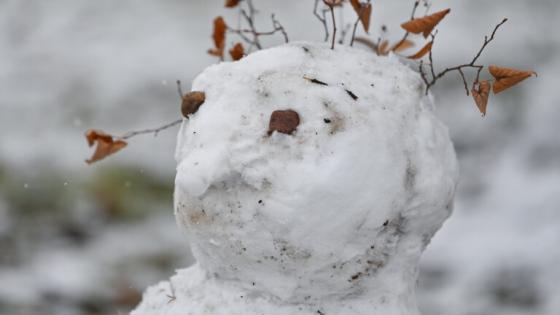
pixel 309 181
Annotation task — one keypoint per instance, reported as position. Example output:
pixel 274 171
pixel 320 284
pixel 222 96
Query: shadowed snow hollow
pixel 332 218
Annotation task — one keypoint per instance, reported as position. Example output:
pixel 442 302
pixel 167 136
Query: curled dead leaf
pixel 367 42
pixel 402 46
pixel 365 17
pixel 507 77
pixel 426 24
pixel 480 93
pixel 192 102
pixel 231 3
pixel 356 5
pixel 219 37
pixel 105 145
pixel 284 121
pixel 382 48
pixel 333 3
pixel 237 52
pixel 422 52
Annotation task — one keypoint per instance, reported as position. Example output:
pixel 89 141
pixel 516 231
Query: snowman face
pixel 330 207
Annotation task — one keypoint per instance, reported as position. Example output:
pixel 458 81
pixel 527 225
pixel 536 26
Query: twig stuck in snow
pixel 322 18
pixel 360 17
pixel 248 15
pixel 155 131
pixel 172 297
pixel 435 77
pixel 331 4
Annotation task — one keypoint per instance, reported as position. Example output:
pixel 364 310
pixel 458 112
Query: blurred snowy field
pixel 87 240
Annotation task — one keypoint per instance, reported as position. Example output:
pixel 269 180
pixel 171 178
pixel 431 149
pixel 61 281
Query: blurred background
pixel 78 239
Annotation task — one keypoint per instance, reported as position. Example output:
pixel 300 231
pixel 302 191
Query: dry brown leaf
pixel 367 42
pixel 502 72
pixel 105 145
pixel 192 102
pixel 219 36
pixel 237 52
pixel 363 10
pixel 382 48
pixel 480 94
pixel 365 17
pixel 505 83
pixel 402 45
pixel 231 3
pixel 422 52
pixel 507 77
pixel 334 3
pixel 426 24
pixel 93 135
pixel 356 5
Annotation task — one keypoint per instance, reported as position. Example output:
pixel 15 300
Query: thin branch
pixel 422 74
pixel 464 80
pixel 356 24
pixel 249 17
pixel 435 77
pixel 487 41
pixel 155 131
pixel 180 89
pixel 405 37
pixel 279 27
pixel 331 8
pixel 477 76
pixel 431 58
pixel 322 19
pixel 172 297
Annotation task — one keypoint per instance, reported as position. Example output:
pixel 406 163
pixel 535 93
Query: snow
pixel 330 219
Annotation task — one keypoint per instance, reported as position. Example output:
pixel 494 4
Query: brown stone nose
pixel 284 121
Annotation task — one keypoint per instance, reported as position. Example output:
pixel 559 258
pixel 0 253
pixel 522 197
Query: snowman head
pixel 341 205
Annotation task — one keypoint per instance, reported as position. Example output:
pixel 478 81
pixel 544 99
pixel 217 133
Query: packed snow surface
pixel 331 219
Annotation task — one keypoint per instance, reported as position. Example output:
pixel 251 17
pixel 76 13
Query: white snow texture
pixel 331 219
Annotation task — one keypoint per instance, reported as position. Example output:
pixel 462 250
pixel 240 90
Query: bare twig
pixel 278 27
pixel 172 297
pixel 322 19
pixel 313 80
pixel 331 8
pixel 464 80
pixel 431 57
pixel 251 35
pixel 473 65
pixel 488 40
pixel 362 8
pixel 250 19
pixel 155 131
pixel 477 76
pixel 180 89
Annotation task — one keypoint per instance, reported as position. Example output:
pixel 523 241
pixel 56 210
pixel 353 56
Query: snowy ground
pixel 86 240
